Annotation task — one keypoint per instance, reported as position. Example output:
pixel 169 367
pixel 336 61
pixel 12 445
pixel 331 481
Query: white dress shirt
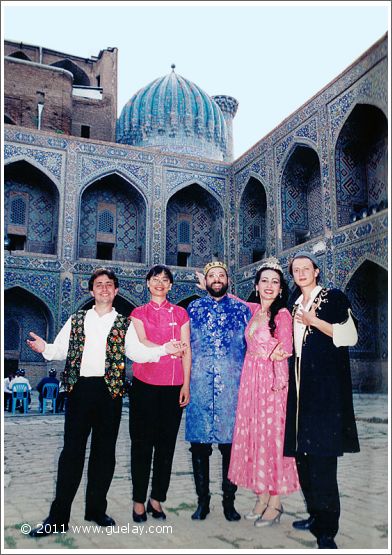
pixel 299 329
pixel 96 329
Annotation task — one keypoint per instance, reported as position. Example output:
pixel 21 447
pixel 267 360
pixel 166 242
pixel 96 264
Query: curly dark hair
pixel 280 301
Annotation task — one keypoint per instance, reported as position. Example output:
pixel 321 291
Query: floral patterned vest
pixel 115 354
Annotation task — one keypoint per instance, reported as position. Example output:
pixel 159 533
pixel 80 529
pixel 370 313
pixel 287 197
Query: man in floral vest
pixel 94 344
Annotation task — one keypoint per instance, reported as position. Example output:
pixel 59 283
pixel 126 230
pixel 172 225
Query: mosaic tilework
pixel 361 168
pixel 96 167
pixel 66 299
pixel 252 223
pixel 42 213
pixel 49 162
pixel 371 89
pixel 43 285
pixel 130 220
pixel 206 225
pixel 367 291
pixel 301 196
pixel 176 180
pixel 174 114
pixel 30 315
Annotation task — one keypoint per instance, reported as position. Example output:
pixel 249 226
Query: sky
pixel 271 56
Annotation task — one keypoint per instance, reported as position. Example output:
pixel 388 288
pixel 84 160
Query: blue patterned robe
pixel 218 350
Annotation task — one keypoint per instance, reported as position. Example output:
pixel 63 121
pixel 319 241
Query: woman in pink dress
pixel 257 460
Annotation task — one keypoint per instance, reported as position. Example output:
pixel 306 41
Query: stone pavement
pixel 32 444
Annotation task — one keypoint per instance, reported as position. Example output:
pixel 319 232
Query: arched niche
pixel 368 294
pixel 361 165
pixel 31 209
pixel 302 201
pixel 80 77
pixel 24 312
pixel 112 223
pixel 252 223
pixel 203 215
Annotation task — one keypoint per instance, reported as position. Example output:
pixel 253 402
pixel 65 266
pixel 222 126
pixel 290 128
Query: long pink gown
pixel 257 460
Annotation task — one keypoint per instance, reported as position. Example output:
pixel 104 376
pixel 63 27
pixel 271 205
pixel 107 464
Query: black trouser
pixel 154 419
pixel 90 408
pixel 318 480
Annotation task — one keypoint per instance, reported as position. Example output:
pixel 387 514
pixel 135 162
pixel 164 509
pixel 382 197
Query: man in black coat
pixel 320 423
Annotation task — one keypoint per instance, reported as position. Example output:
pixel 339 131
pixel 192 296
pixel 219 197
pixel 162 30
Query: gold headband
pixel 214 264
pixel 271 263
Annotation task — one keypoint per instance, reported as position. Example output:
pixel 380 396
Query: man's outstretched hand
pixel 36 344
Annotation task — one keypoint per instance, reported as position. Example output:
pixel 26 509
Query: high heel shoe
pixel 260 522
pixel 252 515
pixel 139 518
pixel 154 512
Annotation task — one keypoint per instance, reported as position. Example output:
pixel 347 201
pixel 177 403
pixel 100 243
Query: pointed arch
pixel 30 313
pixel 126 240
pixel 30 193
pixel 361 164
pixel 301 196
pixel 367 290
pixel 80 77
pixel 252 222
pixel 204 214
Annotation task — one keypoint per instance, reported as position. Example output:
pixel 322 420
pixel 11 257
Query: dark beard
pixel 217 294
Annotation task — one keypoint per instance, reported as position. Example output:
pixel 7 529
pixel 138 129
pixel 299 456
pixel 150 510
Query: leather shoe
pixel 230 513
pixel 139 518
pixel 102 520
pixel 326 542
pixel 49 526
pixel 304 524
pixel 154 512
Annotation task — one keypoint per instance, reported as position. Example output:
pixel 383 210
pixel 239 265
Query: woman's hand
pixel 202 281
pixel 184 396
pixel 175 348
pixel 279 353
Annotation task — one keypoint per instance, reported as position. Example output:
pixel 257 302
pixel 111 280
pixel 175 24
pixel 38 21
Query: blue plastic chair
pixel 20 392
pixel 49 393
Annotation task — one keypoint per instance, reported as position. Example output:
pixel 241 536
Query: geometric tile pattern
pixel 301 197
pixel 42 212
pixel 130 222
pixel 361 165
pixel 206 225
pixel 252 223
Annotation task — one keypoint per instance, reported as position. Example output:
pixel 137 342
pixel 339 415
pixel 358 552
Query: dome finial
pixel 173 66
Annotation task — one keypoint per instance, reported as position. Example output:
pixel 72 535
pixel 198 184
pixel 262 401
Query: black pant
pixel 154 419
pixel 318 479
pixel 90 408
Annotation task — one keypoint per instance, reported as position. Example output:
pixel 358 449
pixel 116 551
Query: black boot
pixel 201 474
pixel 228 487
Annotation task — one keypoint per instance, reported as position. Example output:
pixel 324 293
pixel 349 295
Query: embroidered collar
pixel 313 295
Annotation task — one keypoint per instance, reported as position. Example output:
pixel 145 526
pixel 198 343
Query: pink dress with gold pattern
pixel 257 460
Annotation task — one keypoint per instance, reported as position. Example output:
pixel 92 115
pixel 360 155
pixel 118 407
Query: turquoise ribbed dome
pixel 175 115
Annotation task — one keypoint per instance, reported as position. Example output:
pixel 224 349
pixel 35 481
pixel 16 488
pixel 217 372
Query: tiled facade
pixel 318 180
